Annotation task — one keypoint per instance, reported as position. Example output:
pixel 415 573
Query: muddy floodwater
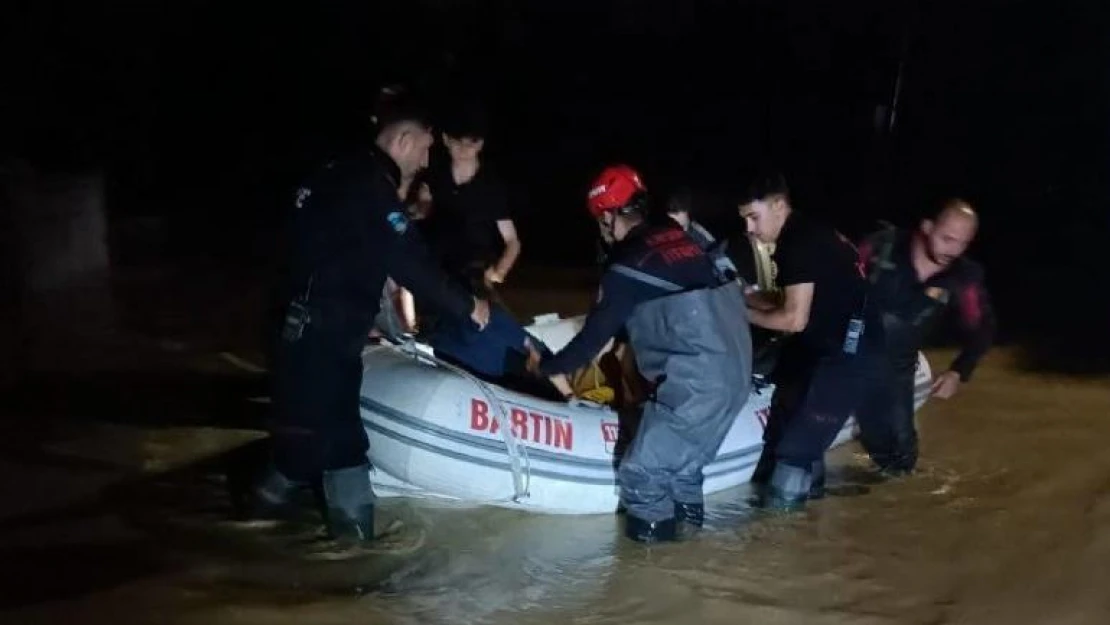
pixel 114 512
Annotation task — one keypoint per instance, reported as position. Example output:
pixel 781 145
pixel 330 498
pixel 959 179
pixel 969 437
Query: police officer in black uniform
pixel 690 340
pixel 916 276
pixel 819 372
pixel 350 231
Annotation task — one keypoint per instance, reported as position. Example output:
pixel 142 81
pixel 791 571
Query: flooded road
pixel 111 520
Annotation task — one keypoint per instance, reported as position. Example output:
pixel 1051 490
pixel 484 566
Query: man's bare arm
pixel 792 315
pixel 762 301
pixel 500 270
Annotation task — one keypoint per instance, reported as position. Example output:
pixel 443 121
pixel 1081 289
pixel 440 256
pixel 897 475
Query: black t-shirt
pixel 808 251
pixel 463 223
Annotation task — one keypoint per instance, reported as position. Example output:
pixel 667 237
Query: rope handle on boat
pixel 519 463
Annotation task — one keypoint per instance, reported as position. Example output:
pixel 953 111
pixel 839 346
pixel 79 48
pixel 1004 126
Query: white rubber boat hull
pixel 433 433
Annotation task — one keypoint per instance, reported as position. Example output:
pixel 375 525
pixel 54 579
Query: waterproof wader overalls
pixel 696 346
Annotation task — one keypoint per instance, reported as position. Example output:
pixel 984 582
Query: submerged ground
pixel 112 483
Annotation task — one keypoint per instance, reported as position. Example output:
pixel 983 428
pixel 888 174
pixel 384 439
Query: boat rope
pixel 519 463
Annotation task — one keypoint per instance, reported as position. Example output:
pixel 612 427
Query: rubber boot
pixel 349 502
pixel 692 513
pixel 788 488
pixel 817 480
pixel 643 531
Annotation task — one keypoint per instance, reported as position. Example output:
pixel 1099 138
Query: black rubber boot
pixel 349 502
pixel 692 513
pixel 643 531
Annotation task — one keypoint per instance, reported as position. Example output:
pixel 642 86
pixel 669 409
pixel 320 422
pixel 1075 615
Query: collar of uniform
pixel 388 166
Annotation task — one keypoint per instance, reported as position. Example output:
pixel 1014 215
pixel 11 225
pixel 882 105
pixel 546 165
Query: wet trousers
pixel 316 424
pixel 885 415
pixel 808 411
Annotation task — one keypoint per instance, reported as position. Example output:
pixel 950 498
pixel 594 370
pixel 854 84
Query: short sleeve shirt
pixel 811 252
pixel 464 217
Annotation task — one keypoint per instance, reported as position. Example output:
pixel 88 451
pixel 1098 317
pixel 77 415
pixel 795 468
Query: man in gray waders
pixel 833 333
pixel 915 277
pixel 690 339
pixel 349 231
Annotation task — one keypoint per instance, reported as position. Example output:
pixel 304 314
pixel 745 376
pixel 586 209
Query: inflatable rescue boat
pixel 438 432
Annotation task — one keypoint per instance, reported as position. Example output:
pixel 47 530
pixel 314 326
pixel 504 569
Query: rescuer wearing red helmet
pixel 691 340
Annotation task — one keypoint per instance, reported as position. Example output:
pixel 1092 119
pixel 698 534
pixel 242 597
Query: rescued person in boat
pixel 821 365
pixel 499 354
pixel 350 231
pixel 915 276
pixel 690 340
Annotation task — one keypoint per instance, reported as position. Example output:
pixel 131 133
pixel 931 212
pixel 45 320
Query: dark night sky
pixel 201 110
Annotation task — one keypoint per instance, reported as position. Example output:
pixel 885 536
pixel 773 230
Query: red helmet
pixel 614 189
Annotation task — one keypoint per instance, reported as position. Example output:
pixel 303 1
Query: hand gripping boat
pixel 436 431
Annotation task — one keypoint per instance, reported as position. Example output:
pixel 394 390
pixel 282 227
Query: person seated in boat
pixel 497 354
pixel 690 342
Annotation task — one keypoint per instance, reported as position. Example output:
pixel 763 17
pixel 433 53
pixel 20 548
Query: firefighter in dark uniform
pixel 915 276
pixel 350 231
pixel 832 330
pixel 690 340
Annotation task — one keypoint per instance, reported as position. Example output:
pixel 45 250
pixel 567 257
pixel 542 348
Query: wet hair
pixel 762 186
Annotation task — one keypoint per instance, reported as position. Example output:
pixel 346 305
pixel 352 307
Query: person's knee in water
pixel 657 277
pixel 333 293
pixel 833 333
pixel 916 276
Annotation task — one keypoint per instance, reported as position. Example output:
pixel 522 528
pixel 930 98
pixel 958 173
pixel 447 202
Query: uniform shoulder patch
pixel 398 221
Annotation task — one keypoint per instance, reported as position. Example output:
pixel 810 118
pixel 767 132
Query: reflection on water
pixel 482 564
